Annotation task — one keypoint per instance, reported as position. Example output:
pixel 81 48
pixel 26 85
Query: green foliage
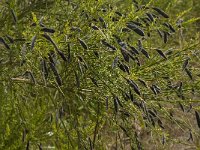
pixel 71 79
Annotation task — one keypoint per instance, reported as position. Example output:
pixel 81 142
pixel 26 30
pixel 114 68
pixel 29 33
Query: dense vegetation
pixel 99 74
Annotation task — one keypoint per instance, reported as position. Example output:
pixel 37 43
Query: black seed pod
pixel 190 137
pixel 27 145
pixel 83 44
pixel 160 123
pixel 44 68
pixel 189 73
pixel 4 43
pixel 143 82
pixel 145 53
pixel 160 33
pixel 108 45
pixel 133 50
pixel 118 13
pixel 121 66
pixel 94 81
pixel 55 72
pixel 33 42
pixel 46 36
pixel 125 54
pixel 136 29
pixel 126 30
pixel 94 27
pixel 62 55
pixel 181 106
pixel 161 12
pixel 165 38
pixel 134 86
pixel 103 22
pixel 115 104
pixel 69 53
pixel 197 118
pixel 161 53
pixel 150 16
pixel 114 64
pixel 77 79
pixel 49 30
pixel 11 40
pixel 14 15
pixel 185 63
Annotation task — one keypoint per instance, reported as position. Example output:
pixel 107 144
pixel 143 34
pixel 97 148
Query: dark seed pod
pixel 140 45
pixel 134 86
pixel 169 26
pixel 163 140
pixel 44 68
pixel 181 106
pixel 106 102
pixel 118 13
pixel 160 123
pixel 4 43
pixel 160 33
pixel 91 145
pixel 133 50
pixel 103 22
pixel 40 146
pixel 185 63
pixel 124 130
pixel 165 36
pixel 114 64
pixel 115 104
pixel 30 75
pixel 145 53
pixel 136 29
pixel 152 113
pixel 49 30
pixel 55 72
pixel 137 61
pixel 143 82
pixel 121 66
pixel 33 42
pixel 108 45
pixel 94 81
pixel 94 27
pixel 80 67
pixel 190 137
pixel 150 16
pixel 27 145
pixel 83 44
pixel 14 15
pixel 69 53
pixel 51 57
pixel 62 55
pixel 126 68
pixel 161 53
pixel 118 39
pixel 161 12
pixel 126 30
pixel 197 118
pixel 190 108
pixel 125 54
pixel 189 73
pixel 131 55
pixel 46 36
pixel 153 89
pixel 11 40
